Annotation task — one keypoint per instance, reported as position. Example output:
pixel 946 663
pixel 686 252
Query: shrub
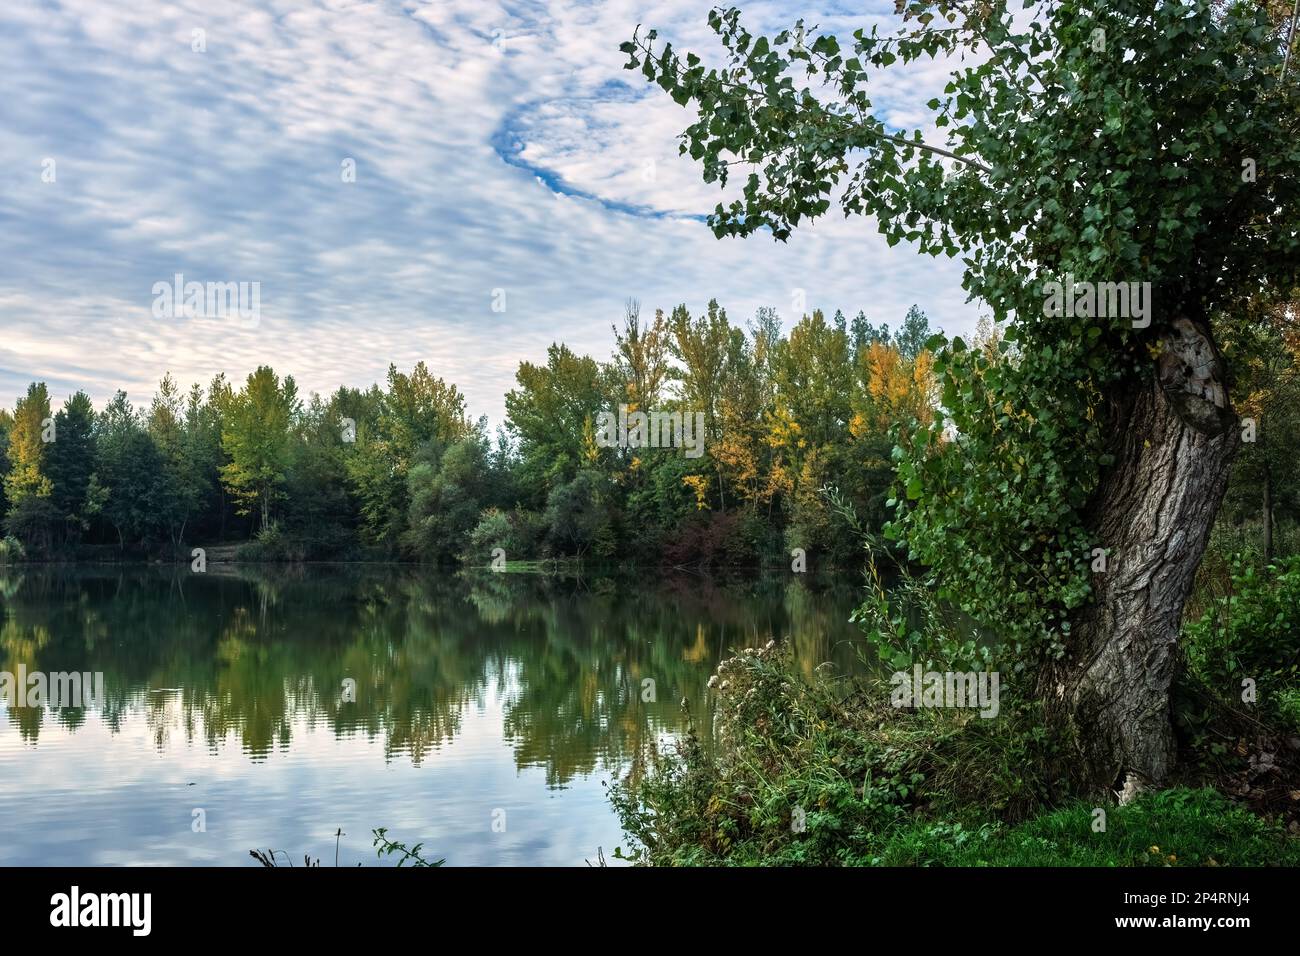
pixel 1251 632
pixel 11 550
pixel 272 544
pixel 827 773
pixel 580 517
pixel 519 533
pixel 821 773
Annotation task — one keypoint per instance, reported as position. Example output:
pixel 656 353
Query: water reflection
pixel 455 676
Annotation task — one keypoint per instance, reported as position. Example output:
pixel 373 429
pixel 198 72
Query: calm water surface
pixel 498 697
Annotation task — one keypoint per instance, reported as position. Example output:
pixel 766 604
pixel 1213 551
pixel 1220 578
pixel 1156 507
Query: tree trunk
pixel 1173 438
pixel 1268 503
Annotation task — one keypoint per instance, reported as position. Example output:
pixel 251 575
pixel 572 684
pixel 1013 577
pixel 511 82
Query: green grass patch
pixel 1178 827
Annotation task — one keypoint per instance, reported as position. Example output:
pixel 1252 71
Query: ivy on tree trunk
pixel 1141 160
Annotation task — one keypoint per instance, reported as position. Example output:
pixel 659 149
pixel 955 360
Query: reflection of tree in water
pixel 255 656
pixel 578 701
pixel 19 647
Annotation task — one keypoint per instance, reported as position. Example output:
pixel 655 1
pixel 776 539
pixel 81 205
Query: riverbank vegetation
pixel 1061 500
pixel 827 771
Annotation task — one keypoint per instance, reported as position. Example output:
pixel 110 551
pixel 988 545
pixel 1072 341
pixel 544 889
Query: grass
pixel 1179 827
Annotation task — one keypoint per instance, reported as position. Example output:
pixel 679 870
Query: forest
pixel 800 430
pixel 403 472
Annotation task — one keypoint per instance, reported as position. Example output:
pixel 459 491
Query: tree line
pixel 402 470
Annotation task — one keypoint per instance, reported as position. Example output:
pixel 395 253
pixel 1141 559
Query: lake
pixel 482 715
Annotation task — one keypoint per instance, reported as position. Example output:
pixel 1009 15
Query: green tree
pixel 814 378
pixel 168 423
pixel 29 437
pixel 1266 389
pixel 1102 143
pixel 549 413
pixel 701 345
pixel 31 515
pixel 417 410
pixel 199 463
pixel 6 427
pixel 131 471
pixel 641 357
pixel 915 332
pixel 708 351
pixel 256 438
pixel 319 512
pixel 447 491
pixel 580 516
pixel 71 465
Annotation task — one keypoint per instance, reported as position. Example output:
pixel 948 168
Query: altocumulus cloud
pixel 496 146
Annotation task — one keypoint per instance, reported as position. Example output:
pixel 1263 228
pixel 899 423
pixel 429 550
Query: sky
pixel 461 182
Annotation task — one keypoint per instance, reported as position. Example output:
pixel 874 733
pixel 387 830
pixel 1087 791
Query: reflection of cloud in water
pixel 522 694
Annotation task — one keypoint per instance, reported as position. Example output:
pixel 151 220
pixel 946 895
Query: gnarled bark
pixel 1174 438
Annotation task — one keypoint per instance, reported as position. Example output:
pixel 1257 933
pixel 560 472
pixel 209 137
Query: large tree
pixel 71 465
pixel 131 471
pixel 392 428
pixel 256 438
pixel 27 485
pixel 29 438
pixel 549 413
pixel 1124 141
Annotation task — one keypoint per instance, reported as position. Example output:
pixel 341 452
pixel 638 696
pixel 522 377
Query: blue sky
pixel 497 146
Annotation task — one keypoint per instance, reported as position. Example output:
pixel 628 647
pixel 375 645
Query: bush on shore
pixel 828 772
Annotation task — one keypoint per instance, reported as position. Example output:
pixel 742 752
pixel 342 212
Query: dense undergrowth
pixel 828 772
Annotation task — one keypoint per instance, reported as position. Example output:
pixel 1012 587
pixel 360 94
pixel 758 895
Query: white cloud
pixel 225 166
